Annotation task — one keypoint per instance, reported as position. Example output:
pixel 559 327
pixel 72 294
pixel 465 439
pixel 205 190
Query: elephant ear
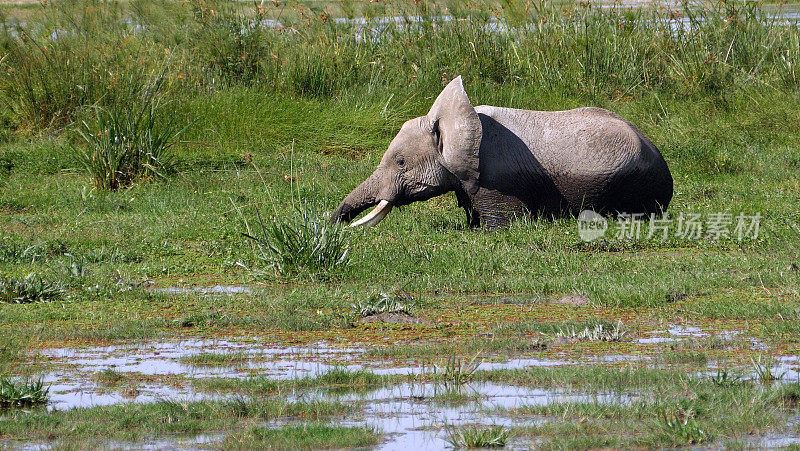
pixel 460 133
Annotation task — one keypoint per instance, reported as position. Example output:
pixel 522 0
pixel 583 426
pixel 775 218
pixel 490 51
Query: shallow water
pixel 411 415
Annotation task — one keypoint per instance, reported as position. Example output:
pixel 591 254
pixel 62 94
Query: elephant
pixel 504 163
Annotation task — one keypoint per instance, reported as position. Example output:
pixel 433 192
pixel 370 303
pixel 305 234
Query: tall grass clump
pixel 12 252
pixel 32 288
pixel 682 429
pixel 75 54
pixel 22 393
pixel 128 142
pixel 401 303
pixel 478 436
pixel 303 243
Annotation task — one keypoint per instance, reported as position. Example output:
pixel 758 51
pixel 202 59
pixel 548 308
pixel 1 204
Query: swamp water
pixel 410 415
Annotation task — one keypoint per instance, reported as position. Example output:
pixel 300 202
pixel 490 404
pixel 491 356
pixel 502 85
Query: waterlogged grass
pixel 301 114
pixel 22 393
pixel 478 436
pixel 308 436
pixel 217 359
pixel 337 379
pixel 136 421
pixel 671 413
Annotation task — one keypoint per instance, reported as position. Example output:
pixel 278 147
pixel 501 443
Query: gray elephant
pixel 504 162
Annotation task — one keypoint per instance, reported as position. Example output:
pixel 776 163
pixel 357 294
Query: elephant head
pixel 431 155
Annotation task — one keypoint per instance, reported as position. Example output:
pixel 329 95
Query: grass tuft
pixel 764 371
pixel 598 332
pixel 305 243
pixel 723 378
pixel 30 289
pixel 682 428
pixel 128 142
pixel 385 303
pixel 457 371
pixel 22 393
pixel 478 436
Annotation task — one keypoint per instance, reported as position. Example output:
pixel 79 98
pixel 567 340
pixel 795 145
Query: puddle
pixel 414 416
pixel 73 385
pixel 164 358
pixel 216 289
pixel 674 333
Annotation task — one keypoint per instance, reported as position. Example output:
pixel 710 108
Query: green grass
pixel 32 288
pixel 25 393
pixel 217 359
pixel 299 245
pixel 664 415
pixel 337 380
pixel 128 142
pixel 308 436
pixel 764 370
pixel 137 421
pixel 478 436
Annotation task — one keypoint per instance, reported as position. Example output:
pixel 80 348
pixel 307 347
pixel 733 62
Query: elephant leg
pixel 497 209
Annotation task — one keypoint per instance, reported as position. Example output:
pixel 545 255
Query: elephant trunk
pixel 361 198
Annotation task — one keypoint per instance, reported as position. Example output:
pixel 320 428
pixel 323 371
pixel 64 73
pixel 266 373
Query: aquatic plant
pixel 108 376
pixel 23 393
pixel 477 436
pixel 598 332
pixel 457 371
pixel 764 371
pixel 723 378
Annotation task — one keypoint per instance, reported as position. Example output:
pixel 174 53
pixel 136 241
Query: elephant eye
pixel 401 161
pixel 437 138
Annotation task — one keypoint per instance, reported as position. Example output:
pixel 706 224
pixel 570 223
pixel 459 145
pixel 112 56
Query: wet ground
pixel 411 415
pixel 412 412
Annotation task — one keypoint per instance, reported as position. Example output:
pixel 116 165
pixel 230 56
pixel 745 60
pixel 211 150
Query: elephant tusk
pixel 375 216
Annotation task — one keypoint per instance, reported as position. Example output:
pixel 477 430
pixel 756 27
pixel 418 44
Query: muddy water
pixel 412 416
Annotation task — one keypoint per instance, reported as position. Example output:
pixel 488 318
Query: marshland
pixel 169 276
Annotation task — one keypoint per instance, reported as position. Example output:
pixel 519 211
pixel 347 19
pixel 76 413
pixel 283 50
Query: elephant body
pixel 504 162
pixel 561 162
